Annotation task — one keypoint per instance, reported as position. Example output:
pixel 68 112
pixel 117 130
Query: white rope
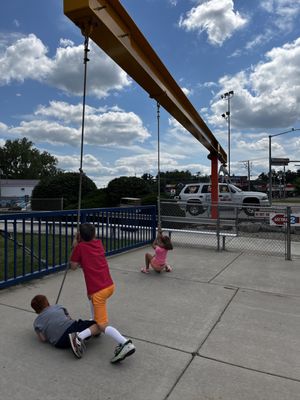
pixel 158 167
pixel 85 61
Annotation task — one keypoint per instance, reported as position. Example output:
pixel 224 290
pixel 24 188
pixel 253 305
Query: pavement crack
pixel 218 320
pixel 226 266
pixel 17 308
pixel 249 368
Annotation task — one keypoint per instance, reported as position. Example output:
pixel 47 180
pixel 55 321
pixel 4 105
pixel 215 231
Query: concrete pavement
pixel 222 325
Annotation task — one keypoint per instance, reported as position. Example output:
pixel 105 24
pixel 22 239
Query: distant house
pixel 17 187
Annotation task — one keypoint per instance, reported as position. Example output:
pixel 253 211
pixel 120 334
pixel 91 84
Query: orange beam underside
pixel 108 24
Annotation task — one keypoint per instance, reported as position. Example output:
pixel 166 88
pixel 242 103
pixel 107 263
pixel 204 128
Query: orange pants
pixel 99 303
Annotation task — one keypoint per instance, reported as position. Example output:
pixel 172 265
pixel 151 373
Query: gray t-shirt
pixel 52 322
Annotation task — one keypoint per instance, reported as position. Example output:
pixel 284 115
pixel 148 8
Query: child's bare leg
pixel 95 330
pixel 148 258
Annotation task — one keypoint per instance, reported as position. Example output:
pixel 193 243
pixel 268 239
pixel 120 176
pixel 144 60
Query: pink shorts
pixel 156 265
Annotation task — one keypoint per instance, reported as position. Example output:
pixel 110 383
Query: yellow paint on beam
pixel 108 24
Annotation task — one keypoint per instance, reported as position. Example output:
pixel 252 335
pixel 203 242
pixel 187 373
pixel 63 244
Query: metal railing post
pixel 288 234
pixel 218 227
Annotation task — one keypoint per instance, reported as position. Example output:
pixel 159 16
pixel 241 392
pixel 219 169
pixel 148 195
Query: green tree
pixel 263 177
pixel 19 160
pixel 297 185
pixel 64 185
pixel 126 187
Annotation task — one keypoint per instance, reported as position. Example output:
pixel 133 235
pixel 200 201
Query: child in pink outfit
pixel 162 244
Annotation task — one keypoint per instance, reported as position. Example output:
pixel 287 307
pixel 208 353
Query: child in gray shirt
pixel 54 325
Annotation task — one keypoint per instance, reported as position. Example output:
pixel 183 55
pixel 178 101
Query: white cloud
pixel 216 17
pixel 285 12
pixel 3 127
pixel 60 123
pixel 104 75
pixel 259 40
pixel 186 91
pixel 267 95
pixel 26 58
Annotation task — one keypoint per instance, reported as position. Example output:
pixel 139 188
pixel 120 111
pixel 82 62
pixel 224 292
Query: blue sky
pixel 210 47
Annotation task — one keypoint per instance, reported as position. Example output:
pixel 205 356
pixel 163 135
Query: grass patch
pixel 290 200
pixel 27 254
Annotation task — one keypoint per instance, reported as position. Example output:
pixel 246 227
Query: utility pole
pixel 247 165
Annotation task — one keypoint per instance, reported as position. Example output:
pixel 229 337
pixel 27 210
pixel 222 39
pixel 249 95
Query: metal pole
pixel 227 96
pixel 288 233
pixel 158 167
pixel 248 168
pixel 228 120
pixel 270 170
pixel 284 181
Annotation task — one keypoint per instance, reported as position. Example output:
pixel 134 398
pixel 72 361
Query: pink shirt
pixel 160 255
pixel 91 257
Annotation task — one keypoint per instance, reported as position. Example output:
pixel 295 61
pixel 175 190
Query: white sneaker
pixel 122 351
pixel 77 345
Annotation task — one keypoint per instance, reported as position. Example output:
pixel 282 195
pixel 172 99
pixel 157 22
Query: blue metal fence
pixel 39 243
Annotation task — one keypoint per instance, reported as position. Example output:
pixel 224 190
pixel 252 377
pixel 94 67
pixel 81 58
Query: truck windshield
pixel 235 189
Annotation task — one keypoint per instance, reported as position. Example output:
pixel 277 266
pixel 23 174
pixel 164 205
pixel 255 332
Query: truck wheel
pixel 195 209
pixel 250 210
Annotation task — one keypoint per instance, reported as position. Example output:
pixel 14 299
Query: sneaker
pixel 77 345
pixel 122 351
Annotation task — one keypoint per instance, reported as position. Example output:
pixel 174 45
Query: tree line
pixel 20 160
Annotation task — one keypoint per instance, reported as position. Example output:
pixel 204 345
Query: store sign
pixel 280 161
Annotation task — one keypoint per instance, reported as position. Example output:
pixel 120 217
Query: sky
pixel 210 47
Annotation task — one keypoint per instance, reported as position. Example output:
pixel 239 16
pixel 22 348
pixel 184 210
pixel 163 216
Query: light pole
pixel 270 158
pixel 1 172
pixel 228 96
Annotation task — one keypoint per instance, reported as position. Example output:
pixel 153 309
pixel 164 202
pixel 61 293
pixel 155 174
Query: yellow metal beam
pixel 108 24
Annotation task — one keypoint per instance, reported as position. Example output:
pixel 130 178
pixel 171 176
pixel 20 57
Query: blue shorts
pixel 77 326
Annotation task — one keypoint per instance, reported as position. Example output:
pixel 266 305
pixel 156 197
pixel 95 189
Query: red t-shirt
pixel 91 257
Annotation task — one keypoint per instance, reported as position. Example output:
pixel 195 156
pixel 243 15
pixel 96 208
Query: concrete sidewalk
pixel 222 325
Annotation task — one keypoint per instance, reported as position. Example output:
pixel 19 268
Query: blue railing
pixel 39 243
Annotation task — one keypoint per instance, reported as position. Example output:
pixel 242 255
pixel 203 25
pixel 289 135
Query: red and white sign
pixel 281 219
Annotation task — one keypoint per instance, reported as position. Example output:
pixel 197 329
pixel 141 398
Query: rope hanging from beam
pixel 158 166
pixel 81 173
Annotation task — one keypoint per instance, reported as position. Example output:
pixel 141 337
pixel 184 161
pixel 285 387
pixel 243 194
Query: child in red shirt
pixel 89 253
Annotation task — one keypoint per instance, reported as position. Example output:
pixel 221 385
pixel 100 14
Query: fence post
pixel 154 222
pixel 288 234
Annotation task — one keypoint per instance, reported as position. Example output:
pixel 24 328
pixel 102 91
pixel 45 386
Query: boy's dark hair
pixel 39 302
pixel 87 232
pixel 167 242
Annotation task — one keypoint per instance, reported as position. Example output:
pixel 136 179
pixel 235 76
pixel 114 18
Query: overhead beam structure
pixel 109 25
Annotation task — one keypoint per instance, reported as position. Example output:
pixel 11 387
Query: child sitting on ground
pixel 162 244
pixel 54 325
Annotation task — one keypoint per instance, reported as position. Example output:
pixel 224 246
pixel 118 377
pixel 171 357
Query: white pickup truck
pixel 196 197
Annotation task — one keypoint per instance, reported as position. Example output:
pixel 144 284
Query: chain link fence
pixel 267 231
